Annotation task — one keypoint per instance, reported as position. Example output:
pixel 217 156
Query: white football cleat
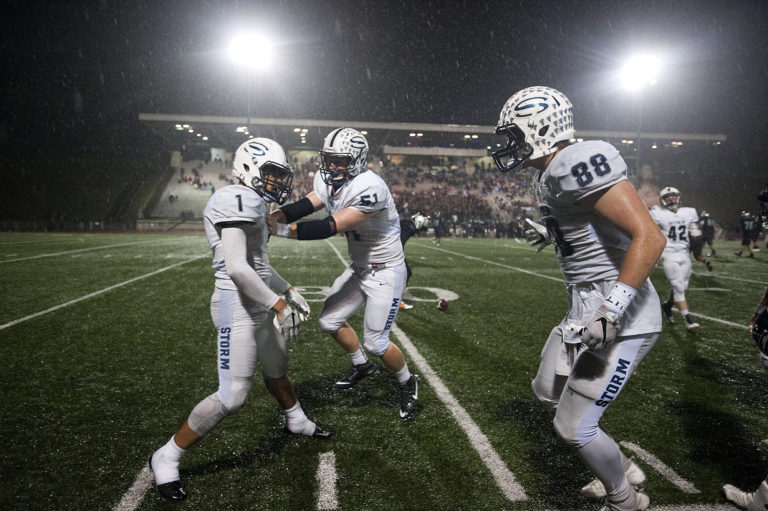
pixel 755 501
pixel 596 490
pixel 405 306
pixel 692 327
pixel 641 503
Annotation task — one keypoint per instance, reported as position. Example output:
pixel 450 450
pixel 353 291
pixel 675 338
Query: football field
pixel 107 344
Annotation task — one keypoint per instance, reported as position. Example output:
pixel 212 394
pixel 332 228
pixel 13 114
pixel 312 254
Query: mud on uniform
pixel 590 251
pixel 377 275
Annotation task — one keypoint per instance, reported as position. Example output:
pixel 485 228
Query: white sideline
pixel 696 315
pixel 133 497
pixel 505 480
pixel 661 468
pixel 326 482
pixel 90 295
pixel 78 250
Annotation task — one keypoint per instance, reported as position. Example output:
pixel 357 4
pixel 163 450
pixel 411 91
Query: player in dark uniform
pixel 747 225
pixel 408 228
pixel 708 232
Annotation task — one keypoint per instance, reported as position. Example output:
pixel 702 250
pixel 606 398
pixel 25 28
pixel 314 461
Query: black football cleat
pixel 667 308
pixel 409 398
pixel 357 373
pixel 709 265
pixel 169 491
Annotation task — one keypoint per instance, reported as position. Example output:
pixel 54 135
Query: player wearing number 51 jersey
pixel 679 225
pixel 359 205
pixel 607 244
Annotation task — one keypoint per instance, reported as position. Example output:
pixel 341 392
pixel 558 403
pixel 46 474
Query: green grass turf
pixel 91 389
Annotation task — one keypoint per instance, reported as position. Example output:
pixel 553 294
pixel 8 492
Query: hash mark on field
pixel 661 468
pixel 95 293
pixel 135 494
pixel 326 482
pixel 505 479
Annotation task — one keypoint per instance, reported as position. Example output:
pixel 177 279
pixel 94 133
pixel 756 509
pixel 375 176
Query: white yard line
pixel 326 482
pixel 91 295
pixel 78 250
pixel 133 497
pixel 661 468
pixel 505 480
pixel 751 281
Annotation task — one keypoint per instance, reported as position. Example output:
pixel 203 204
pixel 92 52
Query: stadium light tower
pixel 639 72
pixel 252 51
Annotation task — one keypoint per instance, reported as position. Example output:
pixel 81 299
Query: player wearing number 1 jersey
pixel 607 244
pixel 359 205
pixel 678 224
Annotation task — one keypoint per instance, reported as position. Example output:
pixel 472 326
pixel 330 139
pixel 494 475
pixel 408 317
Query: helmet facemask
pixel 516 149
pixel 273 182
pixel 335 168
pixel 669 198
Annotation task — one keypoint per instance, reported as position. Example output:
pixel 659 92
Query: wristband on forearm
pixel 298 209
pixel 316 229
pixel 283 230
pixel 620 297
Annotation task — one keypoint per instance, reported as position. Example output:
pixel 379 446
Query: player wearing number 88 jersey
pixel 606 244
pixel 676 223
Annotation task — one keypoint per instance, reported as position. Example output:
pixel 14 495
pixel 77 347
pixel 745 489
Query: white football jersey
pixel 377 239
pixel 589 248
pixel 236 204
pixel 675 224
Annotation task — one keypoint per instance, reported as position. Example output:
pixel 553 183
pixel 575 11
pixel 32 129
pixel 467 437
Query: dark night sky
pixel 94 63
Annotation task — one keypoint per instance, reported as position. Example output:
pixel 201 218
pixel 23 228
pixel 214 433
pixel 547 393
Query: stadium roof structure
pixel 181 130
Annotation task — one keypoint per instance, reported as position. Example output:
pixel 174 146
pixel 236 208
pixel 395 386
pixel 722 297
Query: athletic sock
pixel 358 357
pixel 403 375
pixel 298 422
pixel 171 451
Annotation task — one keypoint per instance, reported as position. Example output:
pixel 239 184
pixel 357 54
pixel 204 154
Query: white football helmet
pixel 344 156
pixel 420 221
pixel 534 120
pixel 260 163
pixel 669 197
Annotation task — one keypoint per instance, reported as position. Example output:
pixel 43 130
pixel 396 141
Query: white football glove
pixel 298 303
pixel 601 330
pixel 288 323
pixel 537 235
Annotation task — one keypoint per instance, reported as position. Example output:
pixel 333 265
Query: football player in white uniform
pixel 359 205
pixel 758 327
pixel 679 225
pixel 607 245
pixel 252 321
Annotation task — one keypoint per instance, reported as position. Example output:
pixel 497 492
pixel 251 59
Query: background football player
pixel 607 245
pixel 676 223
pixel 408 228
pixel 251 320
pixel 758 327
pixel 747 227
pixel 359 204
pixel 708 231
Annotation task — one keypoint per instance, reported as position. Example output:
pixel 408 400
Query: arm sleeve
pixel 242 274
pixel 278 282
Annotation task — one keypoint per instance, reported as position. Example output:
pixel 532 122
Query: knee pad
pixel 542 395
pixel 329 323
pixel 207 414
pixel 678 293
pixel 238 392
pixel 575 435
pixel 376 345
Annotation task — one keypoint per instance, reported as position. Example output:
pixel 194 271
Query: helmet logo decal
pixel 357 142
pixel 523 109
pixel 258 149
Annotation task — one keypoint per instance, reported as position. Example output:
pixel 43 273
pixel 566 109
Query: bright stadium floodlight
pixel 640 70
pixel 251 50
